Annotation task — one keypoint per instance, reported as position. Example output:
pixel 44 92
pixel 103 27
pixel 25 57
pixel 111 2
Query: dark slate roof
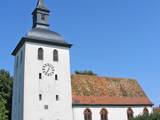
pixel 42 36
pixel 41 5
pixel 95 90
pixel 45 35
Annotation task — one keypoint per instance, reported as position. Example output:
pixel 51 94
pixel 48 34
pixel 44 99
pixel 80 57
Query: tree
pixel 5 95
pixel 85 72
pixel 3 111
pixel 153 116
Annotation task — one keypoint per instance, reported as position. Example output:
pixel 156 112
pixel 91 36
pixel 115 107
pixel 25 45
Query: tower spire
pixel 40 15
pixel 41 5
pixel 40 2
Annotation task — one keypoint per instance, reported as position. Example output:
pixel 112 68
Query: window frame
pixel 87 114
pixel 104 114
pixel 130 113
pixel 57 97
pixel 43 17
pixel 46 107
pixel 40 53
pixel 21 57
pixel 17 62
pixel 40 76
pixel 56 77
pixel 145 111
pixel 40 97
pixel 55 55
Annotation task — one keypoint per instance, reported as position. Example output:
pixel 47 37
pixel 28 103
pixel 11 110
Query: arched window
pixel 130 113
pixel 87 114
pixel 104 114
pixel 145 111
pixel 55 55
pixel 40 54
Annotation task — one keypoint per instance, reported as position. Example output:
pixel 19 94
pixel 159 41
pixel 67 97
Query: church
pixel 44 89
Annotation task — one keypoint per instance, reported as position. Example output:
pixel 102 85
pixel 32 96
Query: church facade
pixel 44 89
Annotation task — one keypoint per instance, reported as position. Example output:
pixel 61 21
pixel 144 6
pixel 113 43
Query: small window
pixel 46 107
pixel 42 16
pixel 57 97
pixel 19 97
pixel 56 77
pixel 130 113
pixel 40 97
pixel 21 57
pixel 55 55
pixel 40 54
pixel 87 114
pixel 145 111
pixel 17 62
pixel 40 75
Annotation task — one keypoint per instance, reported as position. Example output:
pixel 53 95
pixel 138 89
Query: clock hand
pixel 48 69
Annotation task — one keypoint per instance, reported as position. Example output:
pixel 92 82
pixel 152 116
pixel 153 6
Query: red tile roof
pixel 93 90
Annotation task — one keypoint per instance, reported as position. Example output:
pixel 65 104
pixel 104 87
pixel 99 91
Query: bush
pixel 153 116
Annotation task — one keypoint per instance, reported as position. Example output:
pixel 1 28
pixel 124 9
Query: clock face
pixel 48 69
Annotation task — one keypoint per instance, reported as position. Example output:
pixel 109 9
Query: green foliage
pixel 153 116
pixel 86 72
pixel 5 95
pixel 3 111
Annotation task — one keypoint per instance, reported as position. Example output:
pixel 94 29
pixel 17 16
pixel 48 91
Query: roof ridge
pixel 118 78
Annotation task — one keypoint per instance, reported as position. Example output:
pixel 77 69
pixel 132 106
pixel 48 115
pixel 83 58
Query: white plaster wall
pixel 48 86
pixel 114 112
pixel 17 102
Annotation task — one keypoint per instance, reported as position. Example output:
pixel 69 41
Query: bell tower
pixel 40 15
pixel 42 83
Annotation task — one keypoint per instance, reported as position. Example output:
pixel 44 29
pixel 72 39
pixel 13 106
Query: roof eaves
pixel 24 39
pixel 74 104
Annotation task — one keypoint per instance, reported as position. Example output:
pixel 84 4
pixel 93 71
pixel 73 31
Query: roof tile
pixel 89 89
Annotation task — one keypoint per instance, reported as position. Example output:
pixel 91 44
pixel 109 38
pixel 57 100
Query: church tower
pixel 42 83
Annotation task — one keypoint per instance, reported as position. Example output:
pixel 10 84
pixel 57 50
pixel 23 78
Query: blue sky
pixel 117 38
